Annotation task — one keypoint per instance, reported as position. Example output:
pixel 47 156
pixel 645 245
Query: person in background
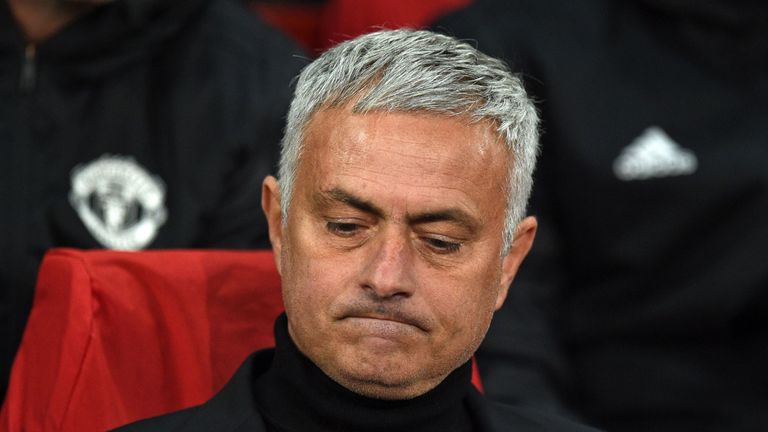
pixel 392 246
pixel 132 124
pixel 644 304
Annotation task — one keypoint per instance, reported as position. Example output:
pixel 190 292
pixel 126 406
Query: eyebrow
pixel 336 194
pixel 455 215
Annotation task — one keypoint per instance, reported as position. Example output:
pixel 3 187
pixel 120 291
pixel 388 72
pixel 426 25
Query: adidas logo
pixel 654 154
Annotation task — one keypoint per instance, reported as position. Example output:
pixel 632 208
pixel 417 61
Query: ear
pixel 525 232
pixel 271 204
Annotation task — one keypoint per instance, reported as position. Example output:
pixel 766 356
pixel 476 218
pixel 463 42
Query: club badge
pixel 119 202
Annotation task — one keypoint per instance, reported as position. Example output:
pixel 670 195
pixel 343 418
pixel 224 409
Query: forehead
pixel 406 157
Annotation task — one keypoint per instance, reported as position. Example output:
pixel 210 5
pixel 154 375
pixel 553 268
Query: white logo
pixel 654 154
pixel 120 203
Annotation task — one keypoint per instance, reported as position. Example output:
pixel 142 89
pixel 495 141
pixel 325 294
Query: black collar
pixel 295 395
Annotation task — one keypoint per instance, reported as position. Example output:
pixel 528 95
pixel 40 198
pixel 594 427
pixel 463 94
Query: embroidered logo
pixel 654 154
pixel 120 203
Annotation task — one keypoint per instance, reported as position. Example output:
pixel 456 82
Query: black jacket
pixel 644 301
pixel 234 409
pixel 144 124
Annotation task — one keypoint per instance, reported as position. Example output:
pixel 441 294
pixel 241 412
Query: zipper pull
pixel 28 77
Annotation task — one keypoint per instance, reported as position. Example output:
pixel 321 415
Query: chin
pixel 385 379
pixel 380 387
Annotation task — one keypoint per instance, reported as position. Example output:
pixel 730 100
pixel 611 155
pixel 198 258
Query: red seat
pixel 115 337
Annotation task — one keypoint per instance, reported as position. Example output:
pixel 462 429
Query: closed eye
pixel 442 246
pixel 342 229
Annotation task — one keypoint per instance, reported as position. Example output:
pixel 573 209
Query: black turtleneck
pixel 294 395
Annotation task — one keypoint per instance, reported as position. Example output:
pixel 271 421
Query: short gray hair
pixel 420 71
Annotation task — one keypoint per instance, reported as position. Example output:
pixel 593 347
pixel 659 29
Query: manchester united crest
pixel 120 203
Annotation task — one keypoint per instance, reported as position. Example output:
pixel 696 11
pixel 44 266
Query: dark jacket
pixel 144 124
pixel 234 409
pixel 643 303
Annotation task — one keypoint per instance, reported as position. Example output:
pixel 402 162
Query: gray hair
pixel 407 70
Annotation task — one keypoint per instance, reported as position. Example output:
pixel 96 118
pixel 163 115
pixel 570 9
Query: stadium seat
pixel 114 337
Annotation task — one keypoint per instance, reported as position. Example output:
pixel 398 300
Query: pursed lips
pixel 387 321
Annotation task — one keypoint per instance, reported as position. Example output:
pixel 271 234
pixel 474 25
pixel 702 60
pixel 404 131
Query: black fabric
pixel 295 395
pixel 193 91
pixel 253 401
pixel 642 305
pixel 726 34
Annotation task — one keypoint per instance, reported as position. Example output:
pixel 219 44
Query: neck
pixel 41 19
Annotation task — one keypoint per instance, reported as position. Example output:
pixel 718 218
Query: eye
pixel 442 246
pixel 342 229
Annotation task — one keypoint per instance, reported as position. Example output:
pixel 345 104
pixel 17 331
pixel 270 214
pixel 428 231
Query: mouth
pixel 382 328
pixel 388 322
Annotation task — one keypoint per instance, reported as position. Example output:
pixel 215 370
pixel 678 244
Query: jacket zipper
pixel 28 77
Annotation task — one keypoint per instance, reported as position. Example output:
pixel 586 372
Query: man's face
pixel 390 258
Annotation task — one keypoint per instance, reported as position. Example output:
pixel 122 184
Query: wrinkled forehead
pixel 340 131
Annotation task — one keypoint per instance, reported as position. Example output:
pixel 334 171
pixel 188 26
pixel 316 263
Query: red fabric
pixel 346 19
pixel 318 27
pixel 301 21
pixel 115 337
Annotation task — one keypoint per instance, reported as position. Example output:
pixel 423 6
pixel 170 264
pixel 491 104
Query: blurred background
pixel 145 124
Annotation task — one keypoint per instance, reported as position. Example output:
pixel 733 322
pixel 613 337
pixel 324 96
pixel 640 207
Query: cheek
pixel 312 280
pixel 302 283
pixel 466 300
pixel 297 272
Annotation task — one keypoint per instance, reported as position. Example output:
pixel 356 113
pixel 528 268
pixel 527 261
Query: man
pixel 397 225
pixel 124 126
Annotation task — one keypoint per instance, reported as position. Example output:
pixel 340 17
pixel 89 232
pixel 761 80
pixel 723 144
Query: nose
pixel 389 270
